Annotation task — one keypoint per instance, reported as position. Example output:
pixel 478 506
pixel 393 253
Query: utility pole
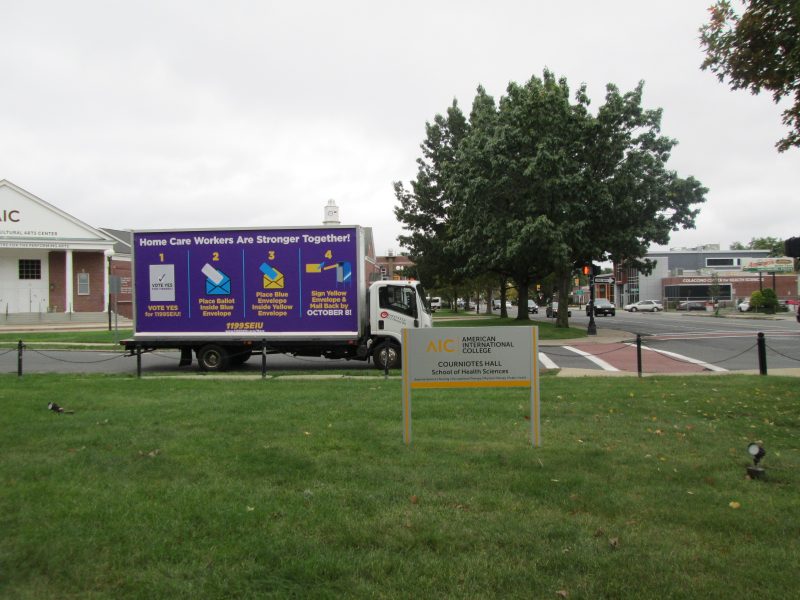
pixel 589 270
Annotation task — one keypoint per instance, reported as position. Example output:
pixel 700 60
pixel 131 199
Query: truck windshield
pixel 422 294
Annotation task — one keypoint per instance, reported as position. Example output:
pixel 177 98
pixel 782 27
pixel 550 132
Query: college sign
pixel 466 357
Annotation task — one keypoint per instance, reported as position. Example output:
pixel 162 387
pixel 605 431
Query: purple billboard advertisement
pixel 247 281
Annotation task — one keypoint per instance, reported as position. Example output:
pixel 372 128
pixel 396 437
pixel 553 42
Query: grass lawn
pixel 165 488
pixel 547 329
pixel 37 338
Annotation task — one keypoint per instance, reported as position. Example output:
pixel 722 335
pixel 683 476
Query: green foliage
pixel 773 244
pixel 424 209
pixel 757 300
pixel 165 488
pixel 770 300
pixel 534 184
pixel 758 49
pixel 542 184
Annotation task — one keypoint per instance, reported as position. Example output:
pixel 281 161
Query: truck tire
pixel 212 358
pixel 379 355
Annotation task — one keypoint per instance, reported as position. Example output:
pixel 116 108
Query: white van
pixel 436 303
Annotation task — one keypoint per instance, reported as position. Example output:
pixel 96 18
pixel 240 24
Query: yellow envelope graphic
pixel 273 279
pixel 314 267
pixel 270 283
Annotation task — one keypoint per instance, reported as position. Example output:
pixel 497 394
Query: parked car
pixel 552 310
pixel 691 305
pixel 497 304
pixel 533 308
pixel 602 306
pixel 645 305
pixel 743 306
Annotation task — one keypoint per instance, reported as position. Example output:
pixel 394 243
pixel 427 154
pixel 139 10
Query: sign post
pixel 471 357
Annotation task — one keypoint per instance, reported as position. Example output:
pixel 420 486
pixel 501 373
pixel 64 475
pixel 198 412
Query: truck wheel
pixel 379 355
pixel 212 358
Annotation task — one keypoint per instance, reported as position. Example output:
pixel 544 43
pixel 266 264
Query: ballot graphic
pixel 344 271
pixel 162 283
pixel 217 282
pixel 272 278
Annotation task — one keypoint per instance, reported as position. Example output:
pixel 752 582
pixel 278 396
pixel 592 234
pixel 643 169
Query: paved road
pixel 676 343
pixel 163 361
pixel 672 343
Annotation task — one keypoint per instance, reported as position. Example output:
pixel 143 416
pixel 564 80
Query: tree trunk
pixel 522 299
pixel 503 310
pixel 563 299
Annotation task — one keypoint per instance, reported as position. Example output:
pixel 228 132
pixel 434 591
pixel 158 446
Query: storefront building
pixel 50 262
pixel 702 273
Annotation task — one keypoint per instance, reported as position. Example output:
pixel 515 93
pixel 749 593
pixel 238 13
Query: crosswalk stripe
pixel 598 361
pixel 545 360
pixel 688 359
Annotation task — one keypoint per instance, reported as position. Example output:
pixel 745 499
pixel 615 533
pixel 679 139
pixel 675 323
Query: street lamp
pixel 589 271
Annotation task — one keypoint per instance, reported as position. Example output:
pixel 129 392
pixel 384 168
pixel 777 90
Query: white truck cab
pixel 394 306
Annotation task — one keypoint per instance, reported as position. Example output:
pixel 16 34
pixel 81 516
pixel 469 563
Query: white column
pixel 106 279
pixel 69 277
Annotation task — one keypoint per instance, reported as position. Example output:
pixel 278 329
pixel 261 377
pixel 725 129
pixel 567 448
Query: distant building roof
pixel 123 239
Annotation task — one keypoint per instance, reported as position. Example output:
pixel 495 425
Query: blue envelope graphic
pixel 217 283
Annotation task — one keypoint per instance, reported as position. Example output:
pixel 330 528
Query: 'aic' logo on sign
pixel 445 345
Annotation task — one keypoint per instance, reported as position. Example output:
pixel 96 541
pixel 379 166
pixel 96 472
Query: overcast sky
pixel 137 115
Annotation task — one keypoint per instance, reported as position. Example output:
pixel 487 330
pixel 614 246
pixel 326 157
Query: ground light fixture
pixel 756 450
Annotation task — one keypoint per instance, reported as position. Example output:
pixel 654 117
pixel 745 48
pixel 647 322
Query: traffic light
pixel 791 247
pixel 591 270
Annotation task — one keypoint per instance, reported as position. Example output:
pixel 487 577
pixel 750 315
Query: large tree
pixel 424 208
pixel 536 185
pixel 758 49
pixel 543 185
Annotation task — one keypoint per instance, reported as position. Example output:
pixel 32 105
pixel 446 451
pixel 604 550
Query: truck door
pixel 397 308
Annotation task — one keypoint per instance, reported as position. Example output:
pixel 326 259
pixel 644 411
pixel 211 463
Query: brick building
pixel 392 265
pixel 50 262
pixel 696 273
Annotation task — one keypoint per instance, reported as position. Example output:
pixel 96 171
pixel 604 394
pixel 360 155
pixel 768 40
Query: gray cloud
pixel 201 114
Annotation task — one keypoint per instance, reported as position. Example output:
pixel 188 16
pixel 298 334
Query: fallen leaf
pixel 414 500
pixel 562 593
pixel 614 543
pixel 734 505
pixel 599 533
pixel 250 508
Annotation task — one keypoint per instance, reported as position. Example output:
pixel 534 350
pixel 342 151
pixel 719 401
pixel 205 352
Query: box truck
pixel 223 295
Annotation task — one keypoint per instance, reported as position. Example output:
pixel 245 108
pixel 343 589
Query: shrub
pixel 770 300
pixel 756 300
